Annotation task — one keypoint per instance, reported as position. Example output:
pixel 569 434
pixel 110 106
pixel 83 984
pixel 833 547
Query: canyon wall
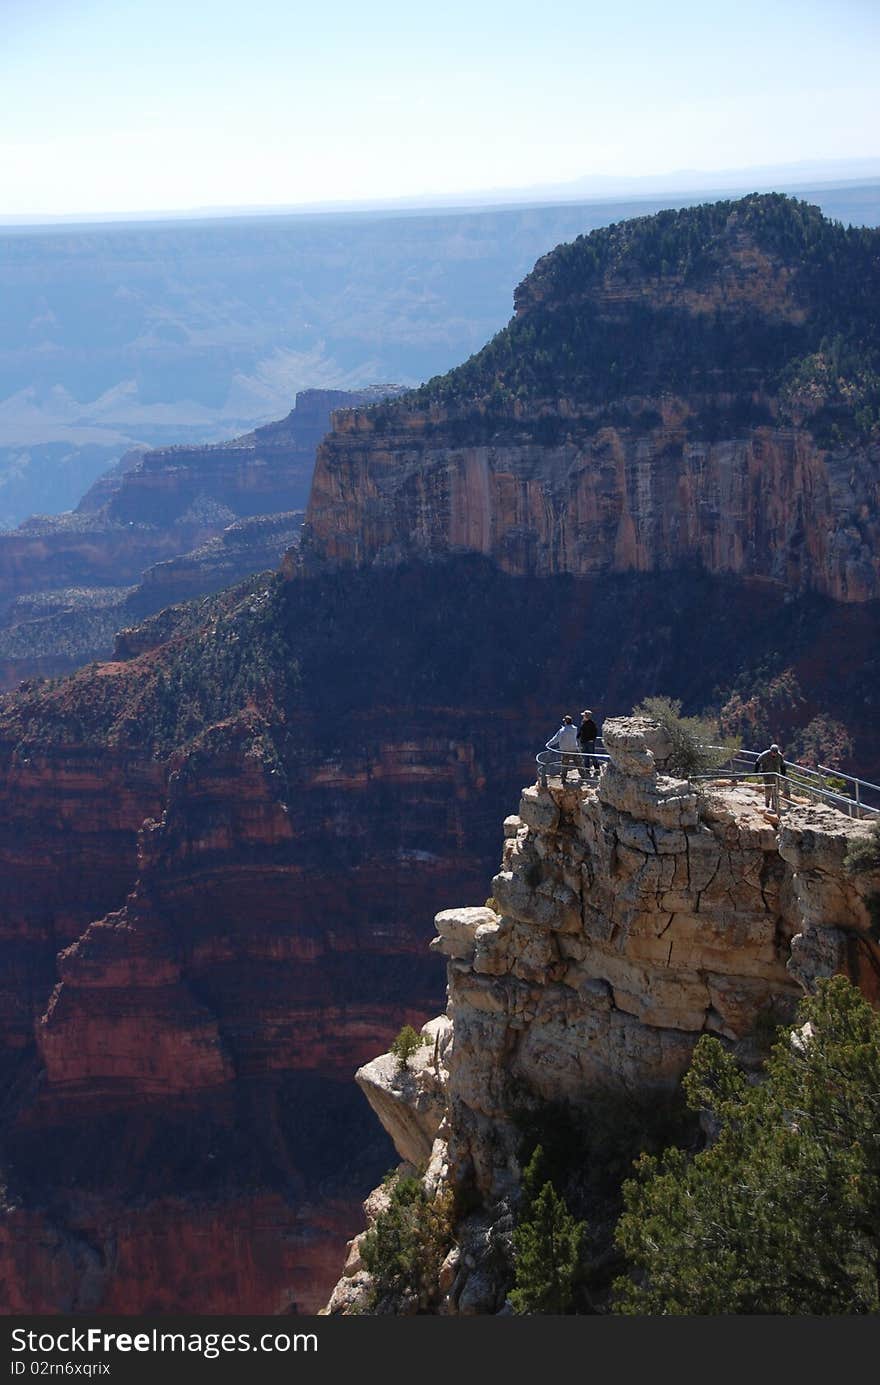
pixel 260 473
pixel 697 390
pixel 179 1125
pixel 771 506
pixel 223 846
pixel 222 850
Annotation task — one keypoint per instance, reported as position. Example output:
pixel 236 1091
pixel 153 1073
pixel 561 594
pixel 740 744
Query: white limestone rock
pixel 456 930
pixel 636 745
pixel 817 953
pixel 409 1102
pixel 670 803
pixel 629 919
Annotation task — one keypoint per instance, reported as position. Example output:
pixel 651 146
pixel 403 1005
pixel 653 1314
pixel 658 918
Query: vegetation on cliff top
pixel 454 644
pixel 697 745
pixel 781 1213
pixel 408 1042
pixel 650 306
pixel 863 853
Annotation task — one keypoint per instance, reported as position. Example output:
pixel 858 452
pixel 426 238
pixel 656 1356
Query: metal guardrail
pixel 857 798
pixel 583 765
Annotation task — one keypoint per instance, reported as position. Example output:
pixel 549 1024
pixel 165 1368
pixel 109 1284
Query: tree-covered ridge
pixel 692 244
pixel 644 308
pixel 213 660
pixel 309 649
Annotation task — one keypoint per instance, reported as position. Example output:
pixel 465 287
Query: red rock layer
pixel 258 1254
pixel 244 921
pixel 69 818
pixel 189 1115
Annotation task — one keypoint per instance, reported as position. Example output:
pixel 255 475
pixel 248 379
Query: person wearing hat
pixel 771 764
pixel 587 734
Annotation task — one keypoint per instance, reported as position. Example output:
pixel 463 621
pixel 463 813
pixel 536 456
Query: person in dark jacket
pixel 588 732
pixel 771 764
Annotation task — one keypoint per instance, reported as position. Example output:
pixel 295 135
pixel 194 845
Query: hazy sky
pixel 123 105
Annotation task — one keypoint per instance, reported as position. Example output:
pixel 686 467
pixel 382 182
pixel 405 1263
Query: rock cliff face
pixel 771 506
pixel 187 1086
pixel 663 398
pixel 190 1082
pixel 630 915
pixel 221 852
pixel 248 545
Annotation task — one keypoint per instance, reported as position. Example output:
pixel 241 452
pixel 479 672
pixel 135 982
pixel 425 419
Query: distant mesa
pixel 697 388
pixel 160 526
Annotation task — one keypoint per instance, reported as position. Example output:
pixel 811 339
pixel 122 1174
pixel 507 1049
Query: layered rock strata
pixel 51 633
pixel 261 473
pixel 230 943
pixel 630 915
pixel 773 506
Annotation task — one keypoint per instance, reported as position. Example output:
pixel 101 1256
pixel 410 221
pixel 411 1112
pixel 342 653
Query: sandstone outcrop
pixel 629 916
pixel 836 908
pixel 410 1100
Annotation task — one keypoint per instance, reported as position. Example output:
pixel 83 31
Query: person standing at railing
pixel 566 742
pixel 771 764
pixel 587 734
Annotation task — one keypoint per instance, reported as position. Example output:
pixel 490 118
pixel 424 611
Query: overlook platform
pixel 801 785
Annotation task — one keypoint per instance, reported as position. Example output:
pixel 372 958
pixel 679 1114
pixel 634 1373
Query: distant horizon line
pixel 803 175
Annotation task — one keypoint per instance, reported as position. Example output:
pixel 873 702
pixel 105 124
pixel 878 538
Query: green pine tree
pixel 781 1214
pixel 404 1248
pixel 408 1042
pixel 548 1247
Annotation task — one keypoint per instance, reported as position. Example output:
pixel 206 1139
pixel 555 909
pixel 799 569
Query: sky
pixel 113 106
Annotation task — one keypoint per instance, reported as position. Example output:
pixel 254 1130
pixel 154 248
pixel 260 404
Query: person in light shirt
pixel 566 741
